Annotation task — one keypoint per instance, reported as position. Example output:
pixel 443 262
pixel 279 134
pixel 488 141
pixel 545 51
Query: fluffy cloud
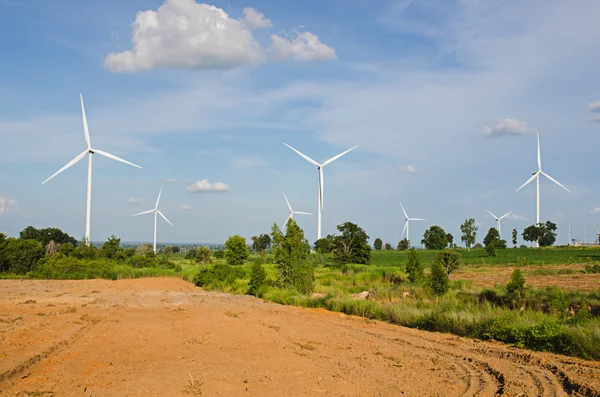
pixel 204 186
pixel 405 168
pixel 170 180
pixel 6 204
pixel 508 127
pixel 183 207
pixel 134 201
pixel 186 34
pixel 255 20
pixel 301 46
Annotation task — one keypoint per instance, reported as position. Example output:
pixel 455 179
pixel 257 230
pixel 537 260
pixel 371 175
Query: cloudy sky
pixel 442 97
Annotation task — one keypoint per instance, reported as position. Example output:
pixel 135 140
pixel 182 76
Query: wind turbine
pixel 408 219
pixel 89 151
pixel 498 221
pixel 292 212
pixel 321 182
pixel 156 212
pixel 536 176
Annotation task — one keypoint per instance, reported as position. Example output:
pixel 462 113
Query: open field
pixel 153 336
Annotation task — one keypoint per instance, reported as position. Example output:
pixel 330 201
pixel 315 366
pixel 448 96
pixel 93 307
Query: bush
pixel 351 246
pixel 236 250
pixel 449 260
pixel 20 256
pixel 438 279
pixel 324 245
pixel 257 278
pixel 491 249
pixel 403 245
pixel 139 261
pixel 592 269
pixel 217 275
pixel 295 268
pixel 219 254
pixel 414 268
pixel 516 286
pixel 190 254
pixel 203 255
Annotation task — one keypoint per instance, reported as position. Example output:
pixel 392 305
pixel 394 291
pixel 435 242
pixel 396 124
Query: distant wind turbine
pixel 156 212
pixel 408 219
pixel 536 176
pixel 498 221
pixel 321 182
pixel 90 151
pixel 292 212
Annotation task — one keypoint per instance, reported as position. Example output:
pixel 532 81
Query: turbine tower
pixel 498 221
pixel 156 212
pixel 536 176
pixel 292 212
pixel 408 219
pixel 321 183
pixel 89 151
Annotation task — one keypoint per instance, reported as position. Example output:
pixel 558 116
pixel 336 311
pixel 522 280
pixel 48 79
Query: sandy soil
pixel 164 337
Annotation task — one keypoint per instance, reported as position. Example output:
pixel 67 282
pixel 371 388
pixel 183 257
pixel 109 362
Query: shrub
pixel 236 250
pixel 140 261
pixel 388 247
pixel 216 275
pixel 257 278
pixel 219 254
pixel 190 254
pixel 20 256
pixel 491 248
pixel 592 269
pixel 414 268
pixel 378 244
pixel 203 255
pixel 438 279
pixel 324 245
pixel 291 252
pixel 403 245
pixel 449 260
pixel 351 246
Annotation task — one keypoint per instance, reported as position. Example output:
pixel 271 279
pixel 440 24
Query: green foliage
pixel 219 254
pixel 257 278
pixel 324 245
pixel 191 254
pixel 218 275
pixel 403 245
pixel 514 238
pixel 449 260
pixel 491 249
pixel 592 268
pixel 291 253
pixel 20 256
pixel 111 248
pixel 414 268
pixel 388 247
pixel 203 255
pixel 515 288
pixel 543 233
pixel 450 239
pixel 351 246
pixel 44 236
pixel 469 232
pixel 378 244
pixel 236 250
pixel 493 237
pixel 435 238
pixel 438 279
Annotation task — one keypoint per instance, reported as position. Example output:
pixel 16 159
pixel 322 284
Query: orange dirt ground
pixel 164 337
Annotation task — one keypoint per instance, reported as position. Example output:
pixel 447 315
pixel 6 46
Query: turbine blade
pixel 321 186
pixel 404 230
pixel 85 125
pixel 555 181
pixel 539 153
pixel 302 213
pixel 164 217
pixel 331 160
pixel 112 156
pixel 505 215
pixel 158 199
pixel 490 212
pixel 528 181
pixel 70 163
pixel 145 212
pixel 288 203
pixel 304 156
pixel 417 219
pixel 403 210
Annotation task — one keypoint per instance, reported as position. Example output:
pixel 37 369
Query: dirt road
pixel 164 337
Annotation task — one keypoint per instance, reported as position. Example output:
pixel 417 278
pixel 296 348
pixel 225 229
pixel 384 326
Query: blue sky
pixel 443 97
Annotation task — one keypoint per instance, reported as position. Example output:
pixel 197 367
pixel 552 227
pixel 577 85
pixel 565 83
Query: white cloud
pixel 595 118
pixel 183 207
pixel 300 46
pixel 404 168
pixel 595 211
pixel 170 180
pixel 6 204
pixel 515 217
pixel 255 20
pixel 204 186
pixel 134 201
pixel 594 106
pixel 508 127
pixel 183 33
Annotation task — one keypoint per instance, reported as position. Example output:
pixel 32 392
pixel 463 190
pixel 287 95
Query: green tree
pixel 491 249
pixel 403 245
pixel 378 244
pixel 111 248
pixel 257 278
pixel 449 260
pixel 168 251
pixel 388 247
pixel 265 242
pixel 20 256
pixel 203 255
pixel 324 245
pixel 514 238
pixel 291 252
pixel 236 250
pixel 516 288
pixel 434 238
pixel 469 232
pixel 352 245
pixel 255 243
pixel 450 239
pixel 219 254
pixel 493 237
pixel 543 233
pixel 438 279
pixel 191 253
pixel 44 236
pixel 414 268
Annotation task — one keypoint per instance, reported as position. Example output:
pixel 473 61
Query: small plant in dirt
pixel 236 250
pixel 449 260
pixel 257 278
pixel 203 255
pixel 414 268
pixel 438 279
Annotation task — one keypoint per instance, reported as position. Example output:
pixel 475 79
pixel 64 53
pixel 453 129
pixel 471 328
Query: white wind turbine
pixel 498 221
pixel 408 219
pixel 90 151
pixel 321 182
pixel 536 176
pixel 292 212
pixel 156 212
